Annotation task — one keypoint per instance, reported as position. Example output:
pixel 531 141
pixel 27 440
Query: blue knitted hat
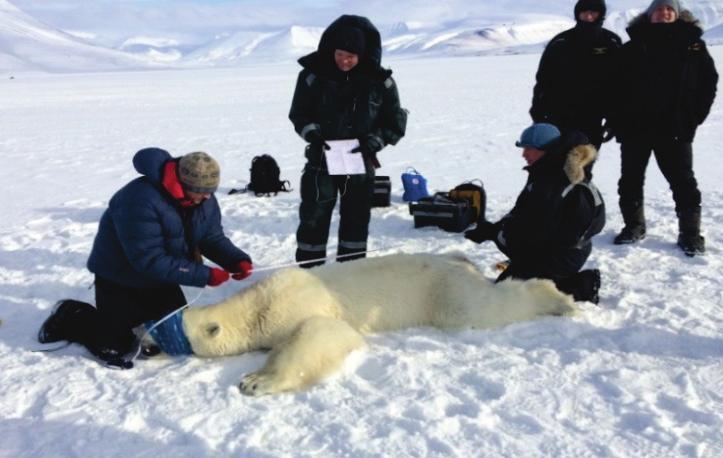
pixel 538 136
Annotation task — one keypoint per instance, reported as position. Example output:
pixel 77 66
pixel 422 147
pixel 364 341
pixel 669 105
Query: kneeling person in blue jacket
pixel 150 240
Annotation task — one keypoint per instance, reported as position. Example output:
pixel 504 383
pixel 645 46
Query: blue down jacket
pixel 142 240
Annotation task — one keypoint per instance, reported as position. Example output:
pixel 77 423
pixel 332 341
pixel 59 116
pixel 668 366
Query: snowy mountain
pixel 27 44
pixel 472 39
pixel 284 45
pixel 154 49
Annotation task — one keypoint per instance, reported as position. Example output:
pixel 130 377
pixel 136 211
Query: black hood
pixel 321 61
pixel 591 5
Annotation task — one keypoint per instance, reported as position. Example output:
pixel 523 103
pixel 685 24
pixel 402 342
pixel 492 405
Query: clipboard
pixel 341 161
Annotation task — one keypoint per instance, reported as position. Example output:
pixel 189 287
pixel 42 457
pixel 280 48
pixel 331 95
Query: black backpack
pixel 265 179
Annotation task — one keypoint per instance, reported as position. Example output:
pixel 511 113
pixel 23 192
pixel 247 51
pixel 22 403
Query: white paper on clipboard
pixel 341 161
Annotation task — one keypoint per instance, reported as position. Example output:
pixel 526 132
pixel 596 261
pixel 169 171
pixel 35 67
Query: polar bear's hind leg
pixel 316 348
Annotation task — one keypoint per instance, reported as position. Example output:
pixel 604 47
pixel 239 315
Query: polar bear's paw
pixel 259 383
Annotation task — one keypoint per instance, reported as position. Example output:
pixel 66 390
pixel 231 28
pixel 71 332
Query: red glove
pixel 217 276
pixel 245 269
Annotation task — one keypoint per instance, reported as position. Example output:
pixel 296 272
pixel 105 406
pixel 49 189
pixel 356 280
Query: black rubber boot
pixel 634 218
pixel 309 259
pixel 689 238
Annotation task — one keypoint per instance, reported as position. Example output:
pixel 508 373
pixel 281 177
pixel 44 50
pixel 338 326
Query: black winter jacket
pixel 548 231
pixel 573 80
pixel 357 104
pixel 665 81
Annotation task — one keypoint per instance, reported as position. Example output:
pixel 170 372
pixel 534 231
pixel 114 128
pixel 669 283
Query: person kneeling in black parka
pixel 548 232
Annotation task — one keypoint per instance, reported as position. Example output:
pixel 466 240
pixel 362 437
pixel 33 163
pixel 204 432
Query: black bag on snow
pixel 265 177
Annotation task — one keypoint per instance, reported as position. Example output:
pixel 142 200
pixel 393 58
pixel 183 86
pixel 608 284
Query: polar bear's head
pixel 213 332
pixel 210 338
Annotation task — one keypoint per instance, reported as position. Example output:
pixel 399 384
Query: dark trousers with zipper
pixel 319 194
pixel 121 308
pixel 675 160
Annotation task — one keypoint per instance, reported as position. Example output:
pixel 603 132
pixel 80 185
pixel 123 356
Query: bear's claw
pixel 257 384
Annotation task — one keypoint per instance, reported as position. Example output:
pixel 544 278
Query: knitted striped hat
pixel 199 172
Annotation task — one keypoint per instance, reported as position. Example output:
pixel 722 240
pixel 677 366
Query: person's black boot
pixel 583 286
pixel 588 286
pixel 309 259
pixel 68 320
pixel 634 218
pixel 630 234
pixel 689 238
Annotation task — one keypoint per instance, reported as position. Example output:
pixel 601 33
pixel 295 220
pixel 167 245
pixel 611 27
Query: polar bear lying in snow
pixel 312 319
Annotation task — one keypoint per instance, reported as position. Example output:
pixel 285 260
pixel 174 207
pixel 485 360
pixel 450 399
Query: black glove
pixel 369 147
pixel 316 140
pixel 484 231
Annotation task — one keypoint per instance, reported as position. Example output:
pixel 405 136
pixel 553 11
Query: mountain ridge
pixel 29 44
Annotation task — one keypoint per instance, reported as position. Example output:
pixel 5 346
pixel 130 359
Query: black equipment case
pixel 441 211
pixel 382 191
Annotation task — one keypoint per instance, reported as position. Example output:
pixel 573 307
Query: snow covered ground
pixel 641 375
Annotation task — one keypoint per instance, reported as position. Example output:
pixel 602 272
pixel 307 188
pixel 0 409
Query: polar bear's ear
pixel 212 329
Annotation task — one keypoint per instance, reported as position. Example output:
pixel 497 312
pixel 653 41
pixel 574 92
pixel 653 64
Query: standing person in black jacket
pixel 573 79
pixel 548 232
pixel 342 93
pixel 666 84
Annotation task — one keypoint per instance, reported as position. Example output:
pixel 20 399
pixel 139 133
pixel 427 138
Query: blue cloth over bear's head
pixel 170 336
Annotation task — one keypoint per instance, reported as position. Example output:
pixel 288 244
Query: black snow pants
pixel 675 159
pixel 319 193
pixel 563 269
pixel 119 309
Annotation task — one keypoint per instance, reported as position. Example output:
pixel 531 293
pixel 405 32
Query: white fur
pixel 312 319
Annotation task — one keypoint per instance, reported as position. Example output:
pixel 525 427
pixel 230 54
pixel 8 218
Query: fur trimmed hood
pixel 686 18
pixel 571 154
pixel 577 159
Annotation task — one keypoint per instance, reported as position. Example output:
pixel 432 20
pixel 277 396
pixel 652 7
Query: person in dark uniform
pixel 573 84
pixel 342 93
pixel 548 232
pixel 665 86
